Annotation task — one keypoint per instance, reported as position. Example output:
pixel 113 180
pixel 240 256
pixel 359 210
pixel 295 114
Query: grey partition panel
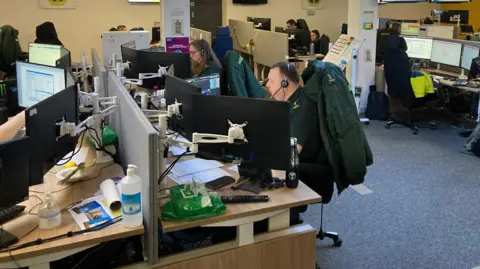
pixel 138 144
pixel 100 71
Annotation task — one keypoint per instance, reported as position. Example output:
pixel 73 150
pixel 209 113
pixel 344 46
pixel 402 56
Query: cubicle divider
pixel 100 71
pixel 242 32
pixel 270 48
pixel 196 34
pixel 138 144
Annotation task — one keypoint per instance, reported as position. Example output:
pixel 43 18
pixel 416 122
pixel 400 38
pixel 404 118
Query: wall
pixel 327 21
pixel 78 29
pixel 473 8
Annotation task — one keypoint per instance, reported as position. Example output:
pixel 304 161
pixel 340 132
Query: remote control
pixel 244 199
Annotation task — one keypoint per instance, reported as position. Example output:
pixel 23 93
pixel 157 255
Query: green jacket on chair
pixel 342 132
pixel 240 78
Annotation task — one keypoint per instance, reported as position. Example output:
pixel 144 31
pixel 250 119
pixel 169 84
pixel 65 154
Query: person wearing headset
pixel 204 62
pixel 11 127
pixel 284 85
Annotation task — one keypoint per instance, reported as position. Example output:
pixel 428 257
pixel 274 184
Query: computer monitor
pixel 180 90
pixel 149 62
pixel 410 28
pixel 267 129
pixel 298 40
pixel 419 48
pixel 41 122
pixel 44 54
pixel 65 60
pixel 474 69
pixel 130 56
pixel 261 23
pixel 445 52
pixel 14 171
pixel 469 53
pixel 38 82
pixel 210 85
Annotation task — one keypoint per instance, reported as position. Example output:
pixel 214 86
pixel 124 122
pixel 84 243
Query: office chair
pixel 302 24
pixel 320 179
pixel 397 77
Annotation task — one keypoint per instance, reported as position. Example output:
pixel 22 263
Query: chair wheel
pixel 433 126
pixel 338 243
pixel 367 123
pixel 387 126
pixel 415 131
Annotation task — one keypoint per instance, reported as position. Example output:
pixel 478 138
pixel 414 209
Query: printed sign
pixel 177 44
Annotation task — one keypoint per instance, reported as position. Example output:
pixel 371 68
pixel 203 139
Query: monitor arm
pixel 93 125
pixel 142 76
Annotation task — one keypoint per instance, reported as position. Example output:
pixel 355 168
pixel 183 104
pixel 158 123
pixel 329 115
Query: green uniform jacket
pixel 211 68
pixel 240 79
pixel 9 48
pixel 342 133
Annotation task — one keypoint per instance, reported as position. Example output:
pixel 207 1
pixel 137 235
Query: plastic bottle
pixel 312 49
pixel 131 190
pixel 49 214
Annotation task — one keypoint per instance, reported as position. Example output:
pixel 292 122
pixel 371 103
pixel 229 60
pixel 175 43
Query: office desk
pixel 449 83
pixel 281 247
pixel 40 256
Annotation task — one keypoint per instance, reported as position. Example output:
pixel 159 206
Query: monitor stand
pixel 7 239
pixel 255 176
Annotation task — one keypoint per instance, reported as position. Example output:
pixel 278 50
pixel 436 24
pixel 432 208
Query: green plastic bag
pixel 186 204
pixel 109 136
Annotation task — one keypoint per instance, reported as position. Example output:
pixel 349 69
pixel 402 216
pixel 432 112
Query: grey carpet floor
pixel 424 211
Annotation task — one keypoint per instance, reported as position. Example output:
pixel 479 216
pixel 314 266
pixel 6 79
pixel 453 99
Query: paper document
pixel 233 168
pixel 78 158
pixel 194 166
pixel 202 177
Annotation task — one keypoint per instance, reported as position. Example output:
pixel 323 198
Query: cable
pixel 170 167
pixel 82 134
pixel 66 235
pixel 152 104
pixel 9 252
pixel 88 254
pixel 35 206
pixel 81 181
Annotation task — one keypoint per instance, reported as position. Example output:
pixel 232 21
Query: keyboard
pixel 473 85
pixel 21 133
pixel 8 213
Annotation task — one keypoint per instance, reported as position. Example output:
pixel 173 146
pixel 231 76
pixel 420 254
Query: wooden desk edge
pixel 192 224
pixel 25 253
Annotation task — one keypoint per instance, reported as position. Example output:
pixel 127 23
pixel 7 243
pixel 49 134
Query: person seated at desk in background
pixel 382 39
pixel 122 28
pixel 47 34
pixel 113 29
pixel 10 128
pixel 203 62
pixel 291 24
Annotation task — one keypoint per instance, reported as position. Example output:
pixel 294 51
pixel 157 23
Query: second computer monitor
pixel 210 84
pixel 469 53
pixel 44 54
pixel 42 127
pixel 38 82
pixel 261 23
pixel 419 48
pixel 445 52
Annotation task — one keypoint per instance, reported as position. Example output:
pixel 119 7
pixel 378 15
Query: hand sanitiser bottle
pixel 131 190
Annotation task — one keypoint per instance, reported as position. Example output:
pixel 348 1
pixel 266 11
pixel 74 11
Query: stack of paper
pixel 199 169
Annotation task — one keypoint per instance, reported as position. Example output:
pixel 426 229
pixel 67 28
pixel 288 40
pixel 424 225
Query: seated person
pixel 203 60
pixel 291 24
pixel 46 34
pixel 314 35
pixel 382 40
pixel 113 29
pixel 122 28
pixel 10 128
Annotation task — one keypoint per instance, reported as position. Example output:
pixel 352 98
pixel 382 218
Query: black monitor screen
pixel 210 84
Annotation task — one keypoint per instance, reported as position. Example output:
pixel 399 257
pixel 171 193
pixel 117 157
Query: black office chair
pixel 302 24
pixel 320 179
pixel 397 77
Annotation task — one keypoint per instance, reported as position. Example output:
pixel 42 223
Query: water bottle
pixel 131 191
pixel 292 176
pixel 312 49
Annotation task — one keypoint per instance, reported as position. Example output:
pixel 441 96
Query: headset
pixel 285 82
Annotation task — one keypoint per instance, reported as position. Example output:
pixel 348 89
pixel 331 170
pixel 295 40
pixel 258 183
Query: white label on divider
pixel 131 204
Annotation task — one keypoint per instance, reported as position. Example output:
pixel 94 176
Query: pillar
pixel 175 25
pixel 362 24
